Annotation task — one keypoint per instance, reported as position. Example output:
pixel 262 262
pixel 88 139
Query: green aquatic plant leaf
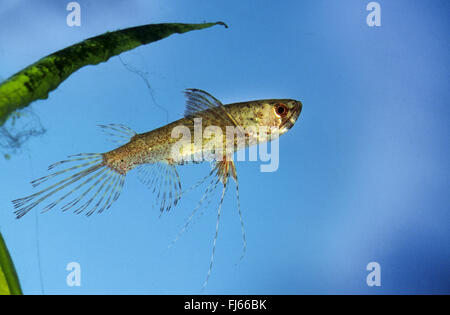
pixel 9 282
pixel 45 75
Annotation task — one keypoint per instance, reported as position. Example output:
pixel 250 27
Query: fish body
pixel 247 117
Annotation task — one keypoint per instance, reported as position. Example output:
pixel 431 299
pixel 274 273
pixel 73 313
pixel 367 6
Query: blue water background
pixel 363 176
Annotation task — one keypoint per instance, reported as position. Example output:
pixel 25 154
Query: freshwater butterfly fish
pixel 94 181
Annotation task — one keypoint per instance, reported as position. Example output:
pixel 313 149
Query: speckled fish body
pixel 102 175
pixel 254 118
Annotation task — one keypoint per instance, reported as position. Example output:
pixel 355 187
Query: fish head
pixel 277 114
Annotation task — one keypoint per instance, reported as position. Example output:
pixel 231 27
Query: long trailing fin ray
pixel 224 170
pixel 216 179
pixel 209 189
pixel 244 239
pixel 200 182
pixel 209 200
pixel 224 190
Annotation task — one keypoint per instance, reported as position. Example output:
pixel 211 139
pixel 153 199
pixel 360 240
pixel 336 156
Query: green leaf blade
pixel 9 282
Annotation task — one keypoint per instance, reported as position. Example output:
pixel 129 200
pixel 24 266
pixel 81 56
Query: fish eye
pixel 281 109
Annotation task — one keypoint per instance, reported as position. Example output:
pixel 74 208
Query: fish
pixel 95 181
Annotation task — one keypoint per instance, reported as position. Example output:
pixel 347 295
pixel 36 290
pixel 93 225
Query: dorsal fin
pixel 199 101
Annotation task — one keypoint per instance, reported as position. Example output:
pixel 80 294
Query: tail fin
pixel 105 188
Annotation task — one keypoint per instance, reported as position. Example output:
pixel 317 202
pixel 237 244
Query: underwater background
pixel 363 175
